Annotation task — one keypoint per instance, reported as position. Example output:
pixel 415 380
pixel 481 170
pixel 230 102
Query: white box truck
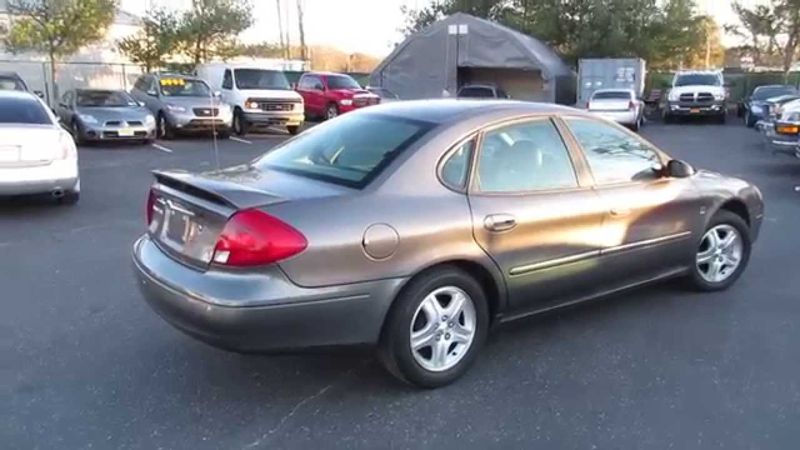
pixel 260 96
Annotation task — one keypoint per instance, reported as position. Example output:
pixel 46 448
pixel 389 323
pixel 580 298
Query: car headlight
pixel 252 105
pixel 176 108
pixel 758 109
pixel 86 118
pixel 67 145
pixel 149 119
pixel 346 102
pixel 673 96
pixel 719 97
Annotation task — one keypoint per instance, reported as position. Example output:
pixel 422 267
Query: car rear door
pixel 305 87
pixel 535 213
pixel 651 217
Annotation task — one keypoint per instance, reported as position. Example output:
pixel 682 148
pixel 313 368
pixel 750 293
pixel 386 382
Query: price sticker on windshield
pixel 172 82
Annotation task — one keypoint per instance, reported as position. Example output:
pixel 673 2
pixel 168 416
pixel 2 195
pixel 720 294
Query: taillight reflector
pixel 254 238
pixel 151 201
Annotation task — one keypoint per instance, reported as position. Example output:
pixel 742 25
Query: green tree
pixel 772 31
pixel 210 27
pixel 58 28
pixel 154 42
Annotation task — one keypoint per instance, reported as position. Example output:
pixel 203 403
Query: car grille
pixel 705 97
pixel 206 112
pixel 701 98
pixel 113 123
pixel 135 123
pixel 114 134
pixel 119 123
pixel 265 104
pixel 364 101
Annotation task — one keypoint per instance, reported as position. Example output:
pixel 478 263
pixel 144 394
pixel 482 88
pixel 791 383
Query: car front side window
pixel 613 155
pixel 528 156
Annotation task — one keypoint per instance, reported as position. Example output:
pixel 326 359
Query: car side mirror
pixel 319 87
pixel 217 94
pixel 679 169
pixel 152 93
pixel 39 94
pixel 140 103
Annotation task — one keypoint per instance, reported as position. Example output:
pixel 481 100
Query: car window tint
pixel 476 92
pixel 528 156
pixel 456 168
pixel 141 84
pixel 10 84
pixel 350 151
pixel 23 110
pixel 227 80
pixel 614 155
pixel 612 95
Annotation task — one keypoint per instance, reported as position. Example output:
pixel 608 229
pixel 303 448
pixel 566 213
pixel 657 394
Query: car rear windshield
pixel 765 93
pixel 261 79
pixel 698 79
pixel 612 95
pixel 476 92
pixel 11 84
pixel 350 151
pixel 184 87
pixel 104 99
pixel 23 110
pixel 342 82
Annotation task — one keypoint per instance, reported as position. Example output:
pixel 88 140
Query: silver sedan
pixel 414 227
pixel 105 115
pixel 620 105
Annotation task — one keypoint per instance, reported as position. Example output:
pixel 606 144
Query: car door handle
pixel 499 222
pixel 620 212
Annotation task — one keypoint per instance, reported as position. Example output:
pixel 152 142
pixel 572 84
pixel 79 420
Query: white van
pixel 259 96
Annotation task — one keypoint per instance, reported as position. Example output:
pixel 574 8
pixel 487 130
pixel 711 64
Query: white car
pixel 619 105
pixel 37 155
pixel 697 93
pixel 260 96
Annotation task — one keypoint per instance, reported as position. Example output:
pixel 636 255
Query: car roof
pixel 17 95
pixel 449 110
pixel 9 74
pixel 774 86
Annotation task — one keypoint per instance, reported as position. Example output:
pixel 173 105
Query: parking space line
pixel 243 141
pixel 162 148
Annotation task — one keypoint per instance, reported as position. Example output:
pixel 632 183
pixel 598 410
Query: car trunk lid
pixel 22 146
pixel 609 105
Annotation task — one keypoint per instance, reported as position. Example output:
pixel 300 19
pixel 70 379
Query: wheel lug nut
pixel 450 324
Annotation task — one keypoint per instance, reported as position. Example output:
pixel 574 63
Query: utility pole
pixel 288 40
pixel 284 50
pixel 303 51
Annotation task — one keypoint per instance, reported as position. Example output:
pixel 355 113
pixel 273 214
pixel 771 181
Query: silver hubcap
pixel 162 126
pixel 332 113
pixel 720 253
pixel 443 329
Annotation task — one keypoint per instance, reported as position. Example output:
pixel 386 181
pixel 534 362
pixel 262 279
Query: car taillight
pixel 631 105
pixel 67 144
pixel 151 203
pixel 254 238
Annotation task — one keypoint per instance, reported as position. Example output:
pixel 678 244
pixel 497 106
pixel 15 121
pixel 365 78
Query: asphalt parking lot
pixel 86 364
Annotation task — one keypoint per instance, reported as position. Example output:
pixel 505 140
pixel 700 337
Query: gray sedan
pixel 415 227
pixel 105 115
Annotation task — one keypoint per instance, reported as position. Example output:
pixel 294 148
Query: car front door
pixel 535 214
pixel 65 108
pixel 651 217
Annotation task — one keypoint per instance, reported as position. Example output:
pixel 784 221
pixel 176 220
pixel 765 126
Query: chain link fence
pixel 72 75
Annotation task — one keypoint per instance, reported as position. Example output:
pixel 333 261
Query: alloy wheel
pixel 443 329
pixel 162 126
pixel 332 112
pixel 720 253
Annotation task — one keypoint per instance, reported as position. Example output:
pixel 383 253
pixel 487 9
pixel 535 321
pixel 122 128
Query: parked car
pixel 182 104
pixel 481 91
pixel 386 95
pixel 328 95
pixel 783 134
pixel 697 94
pixel 619 105
pixel 11 81
pixel 37 156
pixel 753 107
pixel 105 115
pixel 260 97
pixel 441 218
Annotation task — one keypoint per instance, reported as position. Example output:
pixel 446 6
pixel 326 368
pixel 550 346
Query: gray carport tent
pixel 463 49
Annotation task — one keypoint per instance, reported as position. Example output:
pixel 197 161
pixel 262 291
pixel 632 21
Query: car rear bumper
pixel 60 175
pixel 259 311
pixel 626 117
pixel 266 118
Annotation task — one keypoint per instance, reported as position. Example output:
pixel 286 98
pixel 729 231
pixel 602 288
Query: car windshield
pixel 104 98
pixel 698 79
pixel 476 92
pixel 612 95
pixel 184 87
pixel 769 92
pixel 11 84
pixel 350 151
pixel 261 79
pixel 342 82
pixel 23 110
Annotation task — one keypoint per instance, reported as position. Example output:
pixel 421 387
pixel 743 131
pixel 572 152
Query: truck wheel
pixel 240 125
pixel 163 130
pixel 331 111
pixel 293 129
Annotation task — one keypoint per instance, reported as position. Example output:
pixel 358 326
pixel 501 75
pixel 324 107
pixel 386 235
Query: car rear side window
pixel 11 84
pixel 351 151
pixel 476 92
pixel 528 156
pixel 614 155
pixel 455 169
pixel 23 110
pixel 612 95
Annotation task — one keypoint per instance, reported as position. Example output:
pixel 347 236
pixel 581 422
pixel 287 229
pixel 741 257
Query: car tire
pixel 240 125
pixel 450 346
pixel 637 125
pixel 293 130
pixel 77 133
pixel 712 253
pixel 226 134
pixel 163 129
pixel 749 120
pixel 69 198
pixel 331 111
pixel 148 142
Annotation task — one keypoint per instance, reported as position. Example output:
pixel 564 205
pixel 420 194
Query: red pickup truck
pixel 327 95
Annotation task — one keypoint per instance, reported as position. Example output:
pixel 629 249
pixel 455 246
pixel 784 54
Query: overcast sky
pixel 368 26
